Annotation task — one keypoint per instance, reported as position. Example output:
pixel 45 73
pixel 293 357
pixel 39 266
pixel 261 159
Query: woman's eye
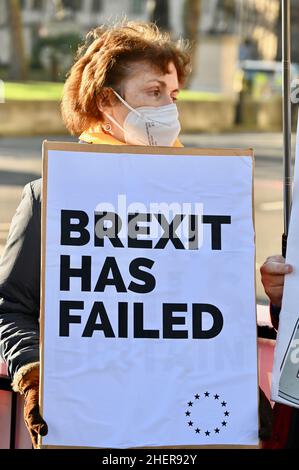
pixel 155 92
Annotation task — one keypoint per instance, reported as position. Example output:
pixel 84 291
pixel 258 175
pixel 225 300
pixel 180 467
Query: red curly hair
pixel 103 61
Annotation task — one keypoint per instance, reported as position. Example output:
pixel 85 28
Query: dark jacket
pixel 20 282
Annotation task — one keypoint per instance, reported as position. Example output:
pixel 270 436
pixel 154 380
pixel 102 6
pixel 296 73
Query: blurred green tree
pixel 18 65
pixel 58 53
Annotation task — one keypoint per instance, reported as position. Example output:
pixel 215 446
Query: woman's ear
pixel 105 99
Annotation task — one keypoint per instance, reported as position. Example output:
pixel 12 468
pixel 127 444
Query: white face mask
pixel 150 125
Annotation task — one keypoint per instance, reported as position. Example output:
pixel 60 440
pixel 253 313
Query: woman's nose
pixel 167 99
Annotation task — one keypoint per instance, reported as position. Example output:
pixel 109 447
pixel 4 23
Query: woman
pixel 121 90
pixel 128 77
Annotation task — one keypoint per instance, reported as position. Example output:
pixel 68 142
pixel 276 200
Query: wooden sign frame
pixel 122 149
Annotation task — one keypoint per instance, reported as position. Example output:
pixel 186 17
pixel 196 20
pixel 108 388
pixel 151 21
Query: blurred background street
pixel 20 162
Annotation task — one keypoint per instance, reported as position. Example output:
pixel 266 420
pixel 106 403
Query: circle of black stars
pixel 219 402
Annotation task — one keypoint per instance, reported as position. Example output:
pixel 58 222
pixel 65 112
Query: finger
pixel 43 430
pixel 35 422
pixel 32 433
pixel 34 417
pixel 275 295
pixel 40 428
pixel 276 258
pixel 276 291
pixel 34 439
pixel 275 282
pixel 274 268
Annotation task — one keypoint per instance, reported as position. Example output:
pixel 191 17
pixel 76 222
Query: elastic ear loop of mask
pixel 120 127
pixel 126 104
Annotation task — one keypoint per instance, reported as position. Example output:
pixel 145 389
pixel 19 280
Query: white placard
pixel 285 378
pixel 152 341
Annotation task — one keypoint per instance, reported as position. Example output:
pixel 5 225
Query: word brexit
pixel 108 225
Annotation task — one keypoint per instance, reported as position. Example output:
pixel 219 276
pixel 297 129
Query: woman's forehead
pixel 145 72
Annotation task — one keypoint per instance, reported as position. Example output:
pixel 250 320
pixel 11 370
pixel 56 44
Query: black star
pixel 223 403
pixel 207 394
pixel 207 433
pixel 197 431
pixel 217 430
pixel 190 423
pixel 187 413
pixel 190 403
pixel 196 396
pixel 226 413
pixel 223 423
pixel 216 397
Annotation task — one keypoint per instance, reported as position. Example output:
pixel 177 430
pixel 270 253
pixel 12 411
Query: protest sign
pixel 148 318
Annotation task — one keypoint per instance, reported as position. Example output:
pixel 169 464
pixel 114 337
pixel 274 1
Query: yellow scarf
pixel 98 136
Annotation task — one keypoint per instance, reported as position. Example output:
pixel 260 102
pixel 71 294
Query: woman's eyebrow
pixel 156 80
pixel 161 82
